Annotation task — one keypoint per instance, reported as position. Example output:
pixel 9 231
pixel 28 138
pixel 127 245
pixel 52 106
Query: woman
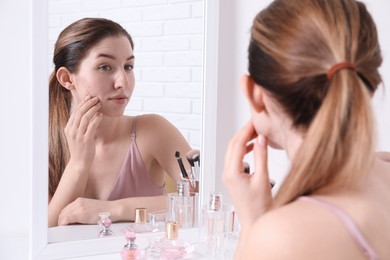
pixel 313 67
pixel 100 159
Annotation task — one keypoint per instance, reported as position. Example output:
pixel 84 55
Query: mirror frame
pixel 39 246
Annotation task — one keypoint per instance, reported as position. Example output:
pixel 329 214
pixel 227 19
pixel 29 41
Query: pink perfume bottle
pixel 171 247
pixel 140 224
pixel 105 222
pixel 130 251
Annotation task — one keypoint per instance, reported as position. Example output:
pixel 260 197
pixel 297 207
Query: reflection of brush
pixel 193 157
pixel 181 165
pixel 247 170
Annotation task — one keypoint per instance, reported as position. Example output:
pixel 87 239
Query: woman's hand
pixel 80 131
pixel 84 211
pixel 250 193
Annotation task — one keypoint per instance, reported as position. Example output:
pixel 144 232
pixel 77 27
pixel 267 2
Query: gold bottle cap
pixel 171 230
pixel 140 215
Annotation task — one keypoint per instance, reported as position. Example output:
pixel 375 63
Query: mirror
pixel 164 75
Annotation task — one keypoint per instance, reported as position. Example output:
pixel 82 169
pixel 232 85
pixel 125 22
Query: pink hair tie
pixel 339 66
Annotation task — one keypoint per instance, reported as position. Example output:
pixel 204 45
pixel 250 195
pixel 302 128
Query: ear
pixel 64 78
pixel 253 93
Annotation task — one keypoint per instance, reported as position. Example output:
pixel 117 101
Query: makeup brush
pixel 247 170
pixel 181 165
pixel 193 156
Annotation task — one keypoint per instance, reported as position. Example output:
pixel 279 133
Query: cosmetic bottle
pixel 105 224
pixel 140 224
pixel 130 251
pixel 214 224
pixel 183 206
pixel 169 247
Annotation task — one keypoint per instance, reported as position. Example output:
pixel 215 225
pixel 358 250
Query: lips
pixel 119 99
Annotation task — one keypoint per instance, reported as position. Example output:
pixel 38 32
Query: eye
pixel 129 67
pixel 104 68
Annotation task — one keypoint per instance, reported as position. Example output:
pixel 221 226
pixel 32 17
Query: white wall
pixel 232 109
pixel 15 133
pixel 168 38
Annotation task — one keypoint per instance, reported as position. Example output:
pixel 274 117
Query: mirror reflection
pixel 125 103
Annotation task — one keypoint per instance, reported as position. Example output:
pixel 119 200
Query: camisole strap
pixel 350 225
pixel 133 128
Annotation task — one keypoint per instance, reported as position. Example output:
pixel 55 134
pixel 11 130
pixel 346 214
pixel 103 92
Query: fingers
pixel 237 149
pixel 260 151
pixel 85 111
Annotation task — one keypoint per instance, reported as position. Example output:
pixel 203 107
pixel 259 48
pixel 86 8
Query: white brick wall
pixel 168 38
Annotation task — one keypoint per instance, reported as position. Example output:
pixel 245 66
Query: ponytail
pixel 59 111
pixel 339 143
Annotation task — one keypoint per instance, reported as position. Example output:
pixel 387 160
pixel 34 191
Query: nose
pixel 122 79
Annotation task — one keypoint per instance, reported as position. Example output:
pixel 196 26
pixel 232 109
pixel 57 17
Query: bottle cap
pixel 140 215
pixel 183 188
pixel 215 202
pixel 171 230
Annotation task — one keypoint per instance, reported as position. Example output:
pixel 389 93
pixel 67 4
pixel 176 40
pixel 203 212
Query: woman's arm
pixel 86 211
pixel 79 131
pixel 162 141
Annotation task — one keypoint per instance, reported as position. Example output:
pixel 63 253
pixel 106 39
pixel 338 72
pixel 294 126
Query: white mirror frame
pixel 39 246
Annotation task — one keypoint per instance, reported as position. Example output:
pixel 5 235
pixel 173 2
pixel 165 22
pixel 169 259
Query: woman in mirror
pixel 313 68
pixel 99 158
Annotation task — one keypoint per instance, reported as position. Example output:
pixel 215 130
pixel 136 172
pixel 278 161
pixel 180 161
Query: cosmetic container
pixel 169 247
pixel 130 251
pixel 140 224
pixel 183 206
pixel 215 223
pixel 105 224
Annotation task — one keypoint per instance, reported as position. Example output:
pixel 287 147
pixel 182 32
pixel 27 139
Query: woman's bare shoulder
pixel 294 231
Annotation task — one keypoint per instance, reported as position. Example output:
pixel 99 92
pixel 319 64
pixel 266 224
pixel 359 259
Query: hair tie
pixel 339 66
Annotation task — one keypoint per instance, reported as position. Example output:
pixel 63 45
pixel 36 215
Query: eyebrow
pixel 109 56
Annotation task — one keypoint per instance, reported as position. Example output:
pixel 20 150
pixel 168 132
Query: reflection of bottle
pixel 140 224
pixel 130 251
pixel 183 205
pixel 105 223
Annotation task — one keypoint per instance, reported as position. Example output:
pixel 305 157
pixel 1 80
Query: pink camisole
pixel 354 231
pixel 133 180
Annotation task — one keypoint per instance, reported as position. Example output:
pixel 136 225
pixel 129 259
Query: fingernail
pixel 261 140
pixel 87 97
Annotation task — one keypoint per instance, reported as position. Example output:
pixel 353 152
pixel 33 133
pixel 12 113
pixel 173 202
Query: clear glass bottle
pixel 105 224
pixel 182 206
pixel 140 224
pixel 130 251
pixel 214 220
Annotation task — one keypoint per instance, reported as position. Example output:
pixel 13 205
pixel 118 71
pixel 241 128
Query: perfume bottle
pixel 182 206
pixel 171 246
pixel 140 224
pixel 130 251
pixel 105 222
pixel 213 226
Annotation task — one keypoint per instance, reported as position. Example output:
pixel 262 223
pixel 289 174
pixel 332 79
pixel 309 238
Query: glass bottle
pixel 171 246
pixel 130 251
pixel 105 222
pixel 140 224
pixel 213 226
pixel 182 206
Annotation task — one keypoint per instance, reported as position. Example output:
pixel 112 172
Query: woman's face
pixel 106 72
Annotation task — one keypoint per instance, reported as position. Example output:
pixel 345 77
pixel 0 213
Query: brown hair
pixel 71 47
pixel 293 45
